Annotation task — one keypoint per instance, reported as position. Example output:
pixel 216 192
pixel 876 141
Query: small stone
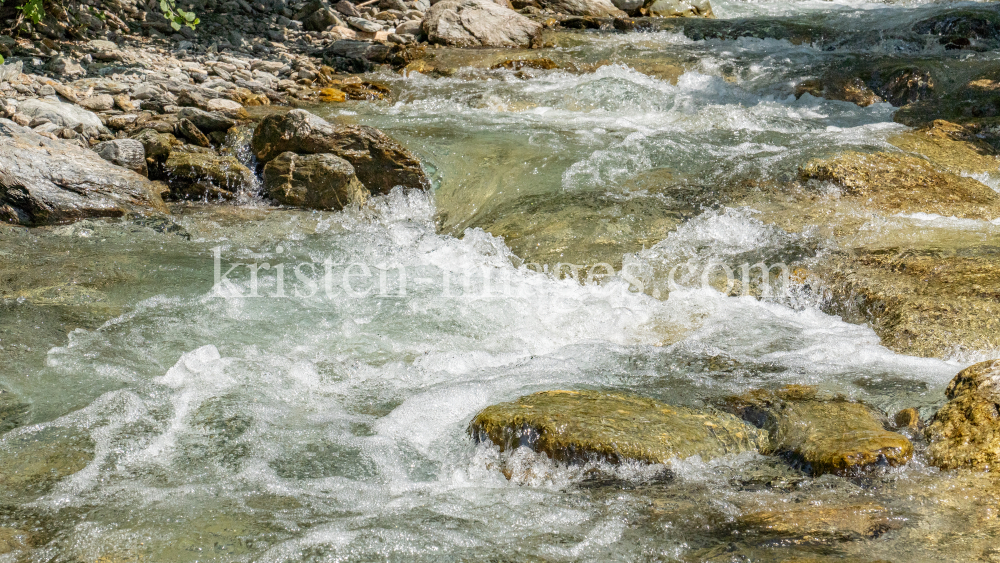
pixel 206 121
pixel 190 131
pixel 228 108
pixel 362 24
pixel 65 66
pixel 908 418
pixel 123 102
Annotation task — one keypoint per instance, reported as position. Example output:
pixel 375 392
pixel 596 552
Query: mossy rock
pixel 30 464
pixel 822 435
pixel 966 431
pixel 582 426
pixel 896 183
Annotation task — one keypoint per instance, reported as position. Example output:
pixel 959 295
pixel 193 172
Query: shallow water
pixel 323 418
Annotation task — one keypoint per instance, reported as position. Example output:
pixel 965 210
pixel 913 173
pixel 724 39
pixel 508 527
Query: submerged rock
pixel 30 464
pixel 317 181
pixel 580 426
pixel 845 89
pixel 480 23
pixel 822 435
pixel 379 162
pixel 902 183
pixel 45 181
pixel 850 522
pixel 966 431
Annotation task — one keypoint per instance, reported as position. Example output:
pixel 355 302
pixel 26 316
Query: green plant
pixel 33 10
pixel 177 16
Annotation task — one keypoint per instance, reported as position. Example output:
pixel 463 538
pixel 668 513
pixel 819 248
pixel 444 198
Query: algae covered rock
pixel 966 431
pixel 206 174
pixel 580 426
pixel 903 183
pixel 822 435
pixel 847 522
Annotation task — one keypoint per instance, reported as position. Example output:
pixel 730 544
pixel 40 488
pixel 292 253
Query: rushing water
pixel 324 419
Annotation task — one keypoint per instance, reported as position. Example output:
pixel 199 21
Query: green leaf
pixel 176 26
pixel 1 56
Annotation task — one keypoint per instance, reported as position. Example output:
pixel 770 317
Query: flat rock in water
pixel 966 431
pixel 902 183
pixel 822 435
pixel 379 162
pixel 480 23
pixel 579 426
pixel 45 181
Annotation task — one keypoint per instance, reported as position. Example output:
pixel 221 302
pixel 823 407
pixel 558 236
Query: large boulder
pixel 379 162
pixel 819 435
pixel 318 181
pixel 595 8
pixel 581 426
pixel 966 431
pixel 45 181
pixel 206 175
pixel 59 113
pixel 480 23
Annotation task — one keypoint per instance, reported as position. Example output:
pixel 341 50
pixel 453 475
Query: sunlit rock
pixel 901 183
pixel 581 426
pixel 479 23
pixel 845 89
pixel 379 162
pixel 678 8
pixel 966 431
pixel 850 522
pixel 318 181
pixel 45 181
pixel 822 435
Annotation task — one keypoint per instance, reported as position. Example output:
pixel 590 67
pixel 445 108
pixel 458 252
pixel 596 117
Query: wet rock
pixel 30 464
pixel 13 411
pixel 518 64
pixel 965 432
pixel 316 181
pixel 59 113
pixel 580 426
pixel 127 153
pixel 479 23
pixel 902 86
pixel 593 8
pixel 822 435
pixel 156 145
pixel 908 418
pixel 969 28
pixel 206 175
pixel 379 162
pixel 922 300
pixel 206 121
pixel 900 183
pixel 850 522
pixel 845 89
pixel 950 146
pixel 678 8
pixel 44 181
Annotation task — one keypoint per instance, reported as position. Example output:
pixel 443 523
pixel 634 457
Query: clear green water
pixel 167 422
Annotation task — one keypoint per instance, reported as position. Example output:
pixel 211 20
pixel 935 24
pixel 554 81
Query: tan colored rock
pixel 100 102
pixel 965 432
pixel 850 522
pixel 578 426
pixel 896 183
pixel 229 108
pixel 678 9
pixel 845 89
pixel 822 435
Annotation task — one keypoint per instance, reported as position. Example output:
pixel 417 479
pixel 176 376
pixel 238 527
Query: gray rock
pixel 347 8
pixel 348 55
pixel 65 66
pixel 60 113
pixel 43 181
pixel 362 24
pixel 630 7
pixel 679 8
pixel 411 27
pixel 316 181
pixel 379 162
pixel 190 131
pixel 206 121
pixel 100 102
pixel 392 5
pixel 595 8
pixel 127 153
pixel 320 20
pixel 475 23
pixel 10 71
